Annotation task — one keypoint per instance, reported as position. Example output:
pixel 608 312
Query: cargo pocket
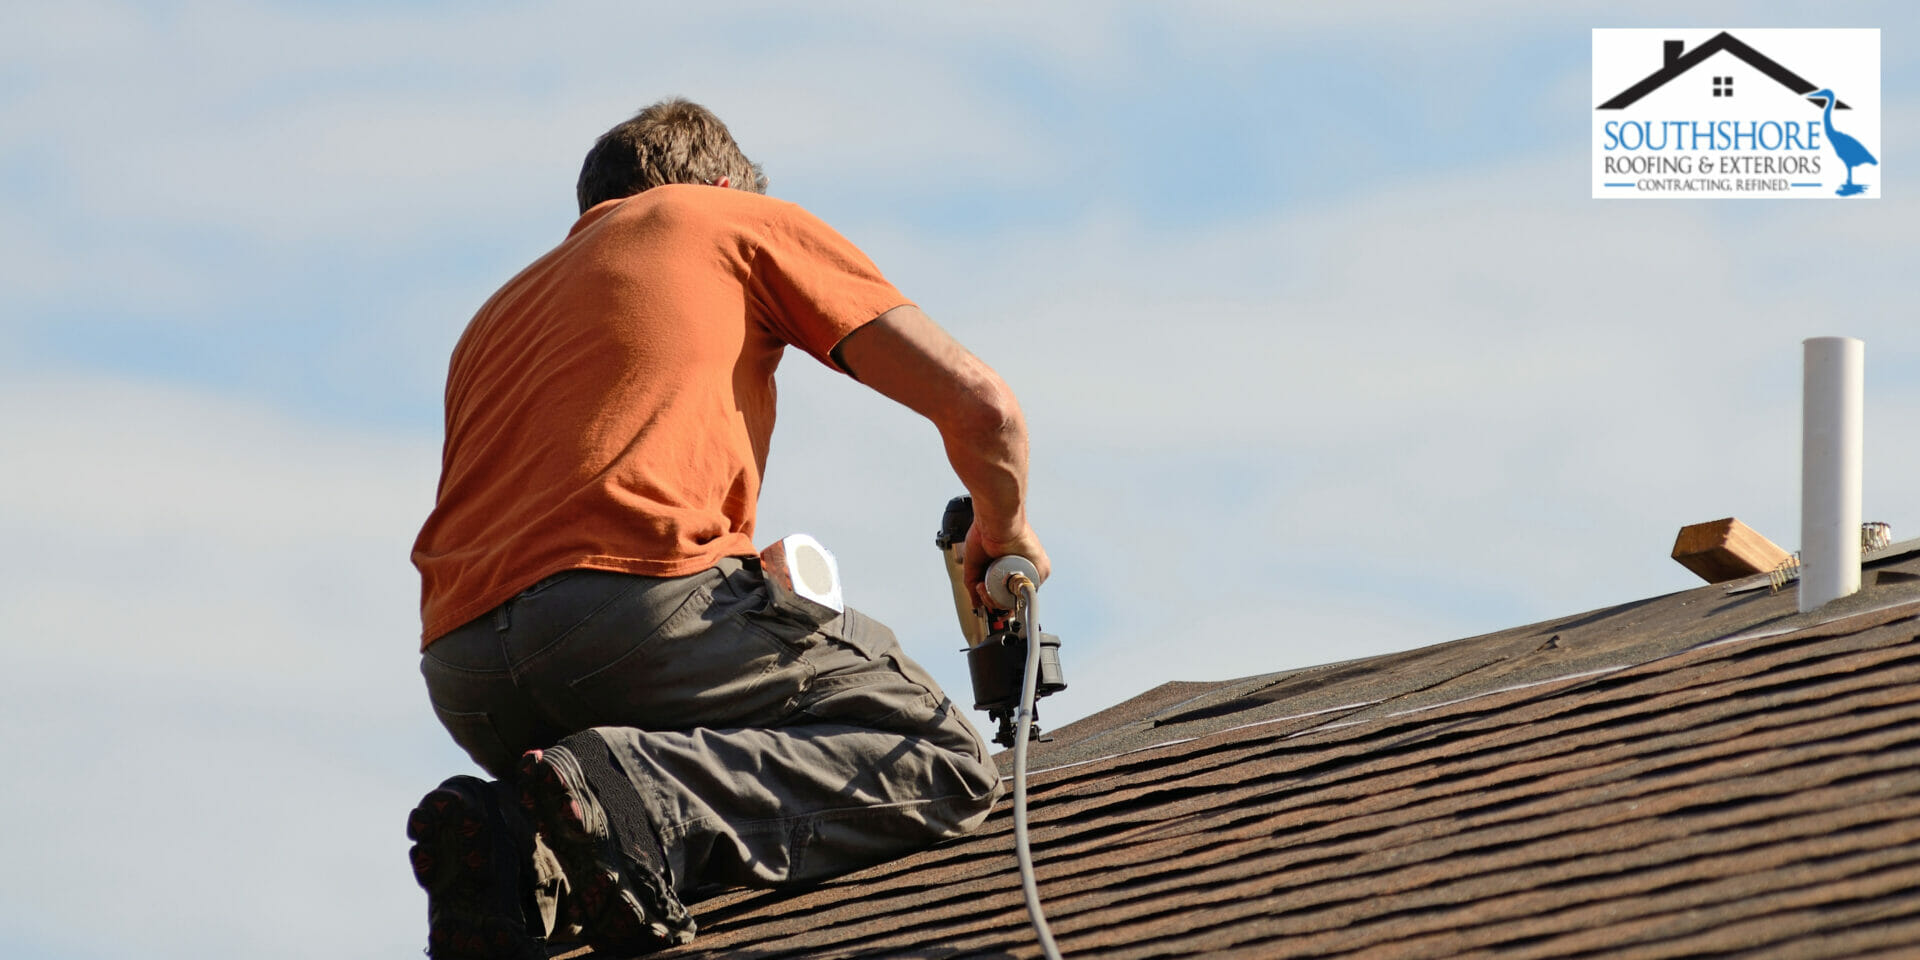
pixel 864 678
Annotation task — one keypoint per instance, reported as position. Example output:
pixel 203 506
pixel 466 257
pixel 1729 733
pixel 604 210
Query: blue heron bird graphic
pixel 1850 150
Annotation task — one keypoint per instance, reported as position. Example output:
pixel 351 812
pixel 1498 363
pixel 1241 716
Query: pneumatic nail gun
pixel 996 639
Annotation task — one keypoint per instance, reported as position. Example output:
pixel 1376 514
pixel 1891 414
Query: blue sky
pixel 1324 350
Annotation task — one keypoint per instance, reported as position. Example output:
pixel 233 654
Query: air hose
pixel 1010 581
pixel 1021 851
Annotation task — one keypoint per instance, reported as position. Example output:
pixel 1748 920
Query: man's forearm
pixel 907 357
pixel 987 445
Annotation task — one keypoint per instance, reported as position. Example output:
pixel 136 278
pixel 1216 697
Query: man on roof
pixel 659 717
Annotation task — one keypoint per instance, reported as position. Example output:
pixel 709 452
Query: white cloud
pixel 211 660
pixel 285 124
pixel 164 825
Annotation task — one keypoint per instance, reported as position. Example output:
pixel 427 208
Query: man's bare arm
pixel 905 356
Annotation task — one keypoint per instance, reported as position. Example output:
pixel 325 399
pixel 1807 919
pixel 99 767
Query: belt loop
pixel 502 619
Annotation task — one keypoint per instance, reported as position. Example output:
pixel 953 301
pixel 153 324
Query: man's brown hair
pixel 673 141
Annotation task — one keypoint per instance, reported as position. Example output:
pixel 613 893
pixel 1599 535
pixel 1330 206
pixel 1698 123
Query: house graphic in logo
pixel 1704 114
pixel 1678 63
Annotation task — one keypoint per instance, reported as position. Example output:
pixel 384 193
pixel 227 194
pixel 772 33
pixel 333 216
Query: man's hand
pixel 982 551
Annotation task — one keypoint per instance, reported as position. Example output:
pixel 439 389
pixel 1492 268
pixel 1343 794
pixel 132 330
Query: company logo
pixel 1721 114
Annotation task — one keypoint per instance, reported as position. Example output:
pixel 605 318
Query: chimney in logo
pixel 1674 47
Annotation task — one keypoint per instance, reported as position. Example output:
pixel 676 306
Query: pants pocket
pixel 863 677
pixel 542 586
pixel 703 666
pixel 477 734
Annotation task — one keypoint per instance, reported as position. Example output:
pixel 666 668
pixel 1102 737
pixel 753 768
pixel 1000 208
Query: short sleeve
pixel 813 286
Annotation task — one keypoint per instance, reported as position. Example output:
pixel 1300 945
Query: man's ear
pixel 723 182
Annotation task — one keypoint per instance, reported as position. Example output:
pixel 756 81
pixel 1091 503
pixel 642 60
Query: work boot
pixel 617 876
pixel 470 850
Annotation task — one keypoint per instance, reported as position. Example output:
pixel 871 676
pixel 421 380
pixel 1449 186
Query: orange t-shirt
pixel 610 407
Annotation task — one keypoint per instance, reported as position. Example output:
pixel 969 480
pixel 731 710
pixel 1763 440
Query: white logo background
pixel 1847 61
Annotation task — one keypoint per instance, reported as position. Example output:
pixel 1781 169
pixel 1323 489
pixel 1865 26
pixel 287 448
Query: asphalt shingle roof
pixel 1707 772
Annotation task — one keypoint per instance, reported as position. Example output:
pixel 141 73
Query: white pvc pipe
pixel 1831 443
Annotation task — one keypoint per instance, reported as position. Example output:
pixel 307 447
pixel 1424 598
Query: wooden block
pixel 1725 550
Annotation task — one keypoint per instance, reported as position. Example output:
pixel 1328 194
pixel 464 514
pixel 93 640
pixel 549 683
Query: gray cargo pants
pixel 769 745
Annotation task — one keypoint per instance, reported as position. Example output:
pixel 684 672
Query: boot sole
pixel 620 910
pixel 452 859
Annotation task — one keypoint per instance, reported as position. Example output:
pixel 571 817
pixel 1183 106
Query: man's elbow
pixel 989 413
